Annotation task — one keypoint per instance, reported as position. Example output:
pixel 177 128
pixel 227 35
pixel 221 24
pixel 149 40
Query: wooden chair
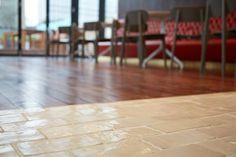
pixel 217 8
pixel 135 28
pixel 113 26
pixel 94 27
pixel 116 25
pixel 69 33
pixel 186 15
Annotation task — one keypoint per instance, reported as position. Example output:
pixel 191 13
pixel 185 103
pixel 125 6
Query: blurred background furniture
pixel 60 37
pixel 218 8
pixel 134 31
pixel 28 39
pixel 159 18
pixel 94 29
pixel 192 17
pixel 112 40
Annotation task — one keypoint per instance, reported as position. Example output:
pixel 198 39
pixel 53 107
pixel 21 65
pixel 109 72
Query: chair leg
pixel 164 52
pixel 123 51
pixel 223 46
pixel 52 49
pixel 175 38
pixel 204 43
pixel 83 50
pixel 235 71
pixel 173 52
pixel 58 47
pixel 141 51
pixel 113 52
pixel 96 51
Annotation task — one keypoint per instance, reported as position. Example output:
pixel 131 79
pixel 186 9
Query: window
pixel 8 24
pixel 88 11
pixel 60 13
pixel 111 10
pixel 111 13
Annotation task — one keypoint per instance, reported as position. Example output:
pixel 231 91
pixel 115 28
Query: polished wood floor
pixel 46 82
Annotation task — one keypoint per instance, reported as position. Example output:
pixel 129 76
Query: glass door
pixel 60 17
pixel 8 27
pixel 111 13
pixel 88 11
pixel 33 27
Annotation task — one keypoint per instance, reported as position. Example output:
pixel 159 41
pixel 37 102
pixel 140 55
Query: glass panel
pixel 88 11
pixel 33 26
pixel 60 16
pixel 60 13
pixel 111 13
pixel 111 10
pixel 8 26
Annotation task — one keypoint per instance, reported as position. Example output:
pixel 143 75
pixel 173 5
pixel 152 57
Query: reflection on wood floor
pixel 43 82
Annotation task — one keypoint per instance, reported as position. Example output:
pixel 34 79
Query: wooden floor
pixel 40 82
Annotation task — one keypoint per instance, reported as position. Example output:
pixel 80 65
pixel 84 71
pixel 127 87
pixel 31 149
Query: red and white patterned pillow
pixel 187 28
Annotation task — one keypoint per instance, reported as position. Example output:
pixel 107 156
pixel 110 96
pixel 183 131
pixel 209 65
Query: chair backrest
pixel 231 5
pixel 136 21
pixel 64 30
pixel 92 30
pixel 215 7
pixel 92 26
pixel 188 14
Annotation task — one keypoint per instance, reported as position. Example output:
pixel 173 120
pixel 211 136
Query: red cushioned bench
pixel 188 50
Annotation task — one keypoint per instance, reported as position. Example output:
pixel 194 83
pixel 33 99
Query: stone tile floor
pixel 191 126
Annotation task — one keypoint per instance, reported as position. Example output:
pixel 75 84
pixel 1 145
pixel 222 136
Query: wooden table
pixel 25 33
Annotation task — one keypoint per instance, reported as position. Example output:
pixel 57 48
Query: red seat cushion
pixel 190 50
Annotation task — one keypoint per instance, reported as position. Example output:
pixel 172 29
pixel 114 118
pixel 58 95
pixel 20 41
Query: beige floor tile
pixel 9 112
pixel 142 132
pixel 233 114
pixel 177 139
pixel 14 137
pixel 132 122
pixel 69 130
pixel 58 154
pixel 127 148
pixel 187 151
pixel 53 113
pixel 178 125
pixel 165 110
pixel 200 125
pixel 7 151
pixel 34 124
pixel 73 142
pixel 220 131
pixel 11 118
pixel 76 114
pixel 94 118
pixel 34 110
pixel 226 145
pixel 73 117
pixel 219 120
pixel 169 126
